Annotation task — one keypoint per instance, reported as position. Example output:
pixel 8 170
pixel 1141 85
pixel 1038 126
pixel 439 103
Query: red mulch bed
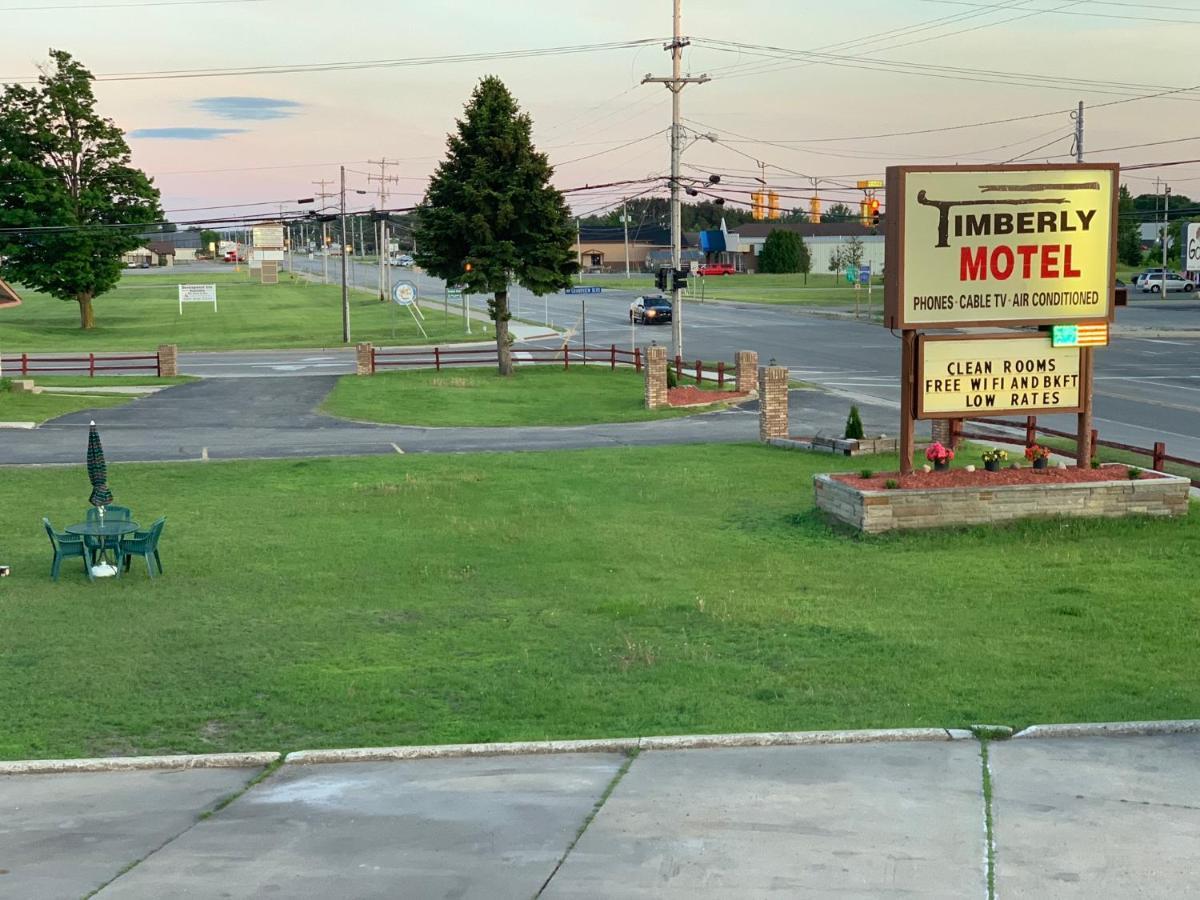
pixel 690 396
pixel 982 478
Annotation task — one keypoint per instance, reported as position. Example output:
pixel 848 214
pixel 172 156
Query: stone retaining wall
pixel 879 511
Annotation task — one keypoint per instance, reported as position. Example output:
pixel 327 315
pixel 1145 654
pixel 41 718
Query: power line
pixel 127 5
pixel 1094 15
pixel 346 66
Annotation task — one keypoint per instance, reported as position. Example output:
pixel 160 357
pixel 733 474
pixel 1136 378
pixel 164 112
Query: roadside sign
pixel 584 290
pixel 851 274
pixel 404 293
pixel 197 293
pixel 963 375
pixel 1191 246
pixel 269 236
pixel 864 275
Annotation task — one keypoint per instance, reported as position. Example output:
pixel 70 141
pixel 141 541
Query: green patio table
pixel 109 528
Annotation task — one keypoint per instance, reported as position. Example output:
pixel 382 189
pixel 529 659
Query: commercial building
pixel 823 240
pixel 601 248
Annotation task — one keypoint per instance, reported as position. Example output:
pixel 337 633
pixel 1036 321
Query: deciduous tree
pixel 67 188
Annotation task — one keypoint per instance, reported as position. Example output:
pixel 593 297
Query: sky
pixel 251 138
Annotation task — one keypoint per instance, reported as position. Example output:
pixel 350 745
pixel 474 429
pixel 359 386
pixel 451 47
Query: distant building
pixel 601 248
pixel 184 245
pixel 822 239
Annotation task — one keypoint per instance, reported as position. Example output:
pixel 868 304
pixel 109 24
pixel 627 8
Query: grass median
pixel 533 395
pixel 429 599
pixel 143 312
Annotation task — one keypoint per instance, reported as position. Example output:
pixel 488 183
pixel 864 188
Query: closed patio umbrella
pixel 97 469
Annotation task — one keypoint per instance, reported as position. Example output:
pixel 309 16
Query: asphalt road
pixel 1147 380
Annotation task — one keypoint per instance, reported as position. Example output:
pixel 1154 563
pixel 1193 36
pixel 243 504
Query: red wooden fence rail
pixel 91 364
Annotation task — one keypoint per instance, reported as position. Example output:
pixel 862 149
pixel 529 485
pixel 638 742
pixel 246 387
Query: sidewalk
pixel 835 814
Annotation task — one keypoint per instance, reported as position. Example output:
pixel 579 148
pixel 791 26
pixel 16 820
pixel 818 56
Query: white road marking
pixel 397 449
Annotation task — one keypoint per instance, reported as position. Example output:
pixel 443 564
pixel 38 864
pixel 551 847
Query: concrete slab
pixel 459 828
pixel 863 820
pixel 65 835
pixel 1097 817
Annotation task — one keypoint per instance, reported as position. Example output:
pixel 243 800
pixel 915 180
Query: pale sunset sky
pixel 246 138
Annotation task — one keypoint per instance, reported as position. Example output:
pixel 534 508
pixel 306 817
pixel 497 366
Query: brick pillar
pixel 772 402
pixel 362 360
pixel 168 360
pixel 656 377
pixel 747 370
pixel 941 431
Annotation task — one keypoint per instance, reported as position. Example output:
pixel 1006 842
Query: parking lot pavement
pixel 65 835
pixel 864 820
pixel 1071 817
pixel 485 827
pixel 1097 817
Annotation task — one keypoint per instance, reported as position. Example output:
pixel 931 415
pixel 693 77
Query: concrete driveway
pixel 885 815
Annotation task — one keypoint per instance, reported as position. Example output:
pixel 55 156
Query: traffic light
pixel 660 279
pixel 873 210
pixel 679 279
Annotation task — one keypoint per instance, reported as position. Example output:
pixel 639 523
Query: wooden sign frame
pixel 894 245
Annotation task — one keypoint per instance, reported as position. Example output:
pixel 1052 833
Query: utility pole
pixel 675 84
pixel 578 250
pixel 345 285
pixel 625 222
pixel 1166 207
pixel 1079 133
pixel 381 229
pixel 324 195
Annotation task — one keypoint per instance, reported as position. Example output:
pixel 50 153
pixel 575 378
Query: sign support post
pixel 908 390
pixel 1083 444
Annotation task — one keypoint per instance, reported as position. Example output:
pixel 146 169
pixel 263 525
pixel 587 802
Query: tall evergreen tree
pixel 66 188
pixel 490 215
pixel 1129 238
pixel 780 252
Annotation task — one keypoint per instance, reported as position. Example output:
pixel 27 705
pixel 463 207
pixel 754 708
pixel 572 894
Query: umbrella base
pixel 104 570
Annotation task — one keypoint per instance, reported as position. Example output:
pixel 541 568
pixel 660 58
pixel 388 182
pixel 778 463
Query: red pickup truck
pixel 716 269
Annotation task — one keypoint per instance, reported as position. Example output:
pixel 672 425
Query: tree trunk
pixel 503 351
pixel 87 318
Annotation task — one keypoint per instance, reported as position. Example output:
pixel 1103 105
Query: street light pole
pixel 625 221
pixel 345 285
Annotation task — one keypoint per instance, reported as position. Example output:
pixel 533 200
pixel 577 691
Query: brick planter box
pixel 876 511
pixel 852 447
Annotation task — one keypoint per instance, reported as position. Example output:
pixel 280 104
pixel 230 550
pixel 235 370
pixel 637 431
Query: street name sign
pixel 584 290
pixel 1000 245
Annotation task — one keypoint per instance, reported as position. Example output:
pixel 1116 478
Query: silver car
pixel 1157 282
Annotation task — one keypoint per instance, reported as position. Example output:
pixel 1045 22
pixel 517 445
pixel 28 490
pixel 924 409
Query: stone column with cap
pixel 168 360
pixel 772 402
pixel 656 377
pixel 747 370
pixel 363 362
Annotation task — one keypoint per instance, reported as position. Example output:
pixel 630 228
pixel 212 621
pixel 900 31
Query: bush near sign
pixel 1001 245
pixel 961 375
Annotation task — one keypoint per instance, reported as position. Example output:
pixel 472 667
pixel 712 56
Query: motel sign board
pixel 1001 245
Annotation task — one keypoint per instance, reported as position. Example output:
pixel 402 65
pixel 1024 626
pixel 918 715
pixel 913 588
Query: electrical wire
pixel 1096 15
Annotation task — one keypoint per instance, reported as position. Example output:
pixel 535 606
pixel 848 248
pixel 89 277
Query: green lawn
pixel 820 289
pixel 40 407
pixel 534 395
pixel 143 312
pixel 428 598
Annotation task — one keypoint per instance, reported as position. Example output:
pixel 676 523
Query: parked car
pixel 1142 276
pixel 404 261
pixel 716 269
pixel 1171 281
pixel 650 310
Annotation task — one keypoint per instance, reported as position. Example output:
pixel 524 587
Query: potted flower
pixel 940 456
pixel 992 459
pixel 1038 455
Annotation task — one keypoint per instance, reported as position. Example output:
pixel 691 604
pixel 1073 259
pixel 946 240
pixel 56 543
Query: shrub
pixel 866 473
pixel 671 381
pixel 854 426
pixel 1133 474
pixel 891 484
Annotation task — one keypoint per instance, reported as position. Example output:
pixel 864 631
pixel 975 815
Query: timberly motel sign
pixel 1028 248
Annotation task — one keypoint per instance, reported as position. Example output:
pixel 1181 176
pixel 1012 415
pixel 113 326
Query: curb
pixel 1110 729
pixel 452 751
pixel 139 763
pixel 26 426
pixel 802 738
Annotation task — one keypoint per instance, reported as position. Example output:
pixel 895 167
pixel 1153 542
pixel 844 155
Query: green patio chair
pixel 144 544
pixel 113 514
pixel 66 546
